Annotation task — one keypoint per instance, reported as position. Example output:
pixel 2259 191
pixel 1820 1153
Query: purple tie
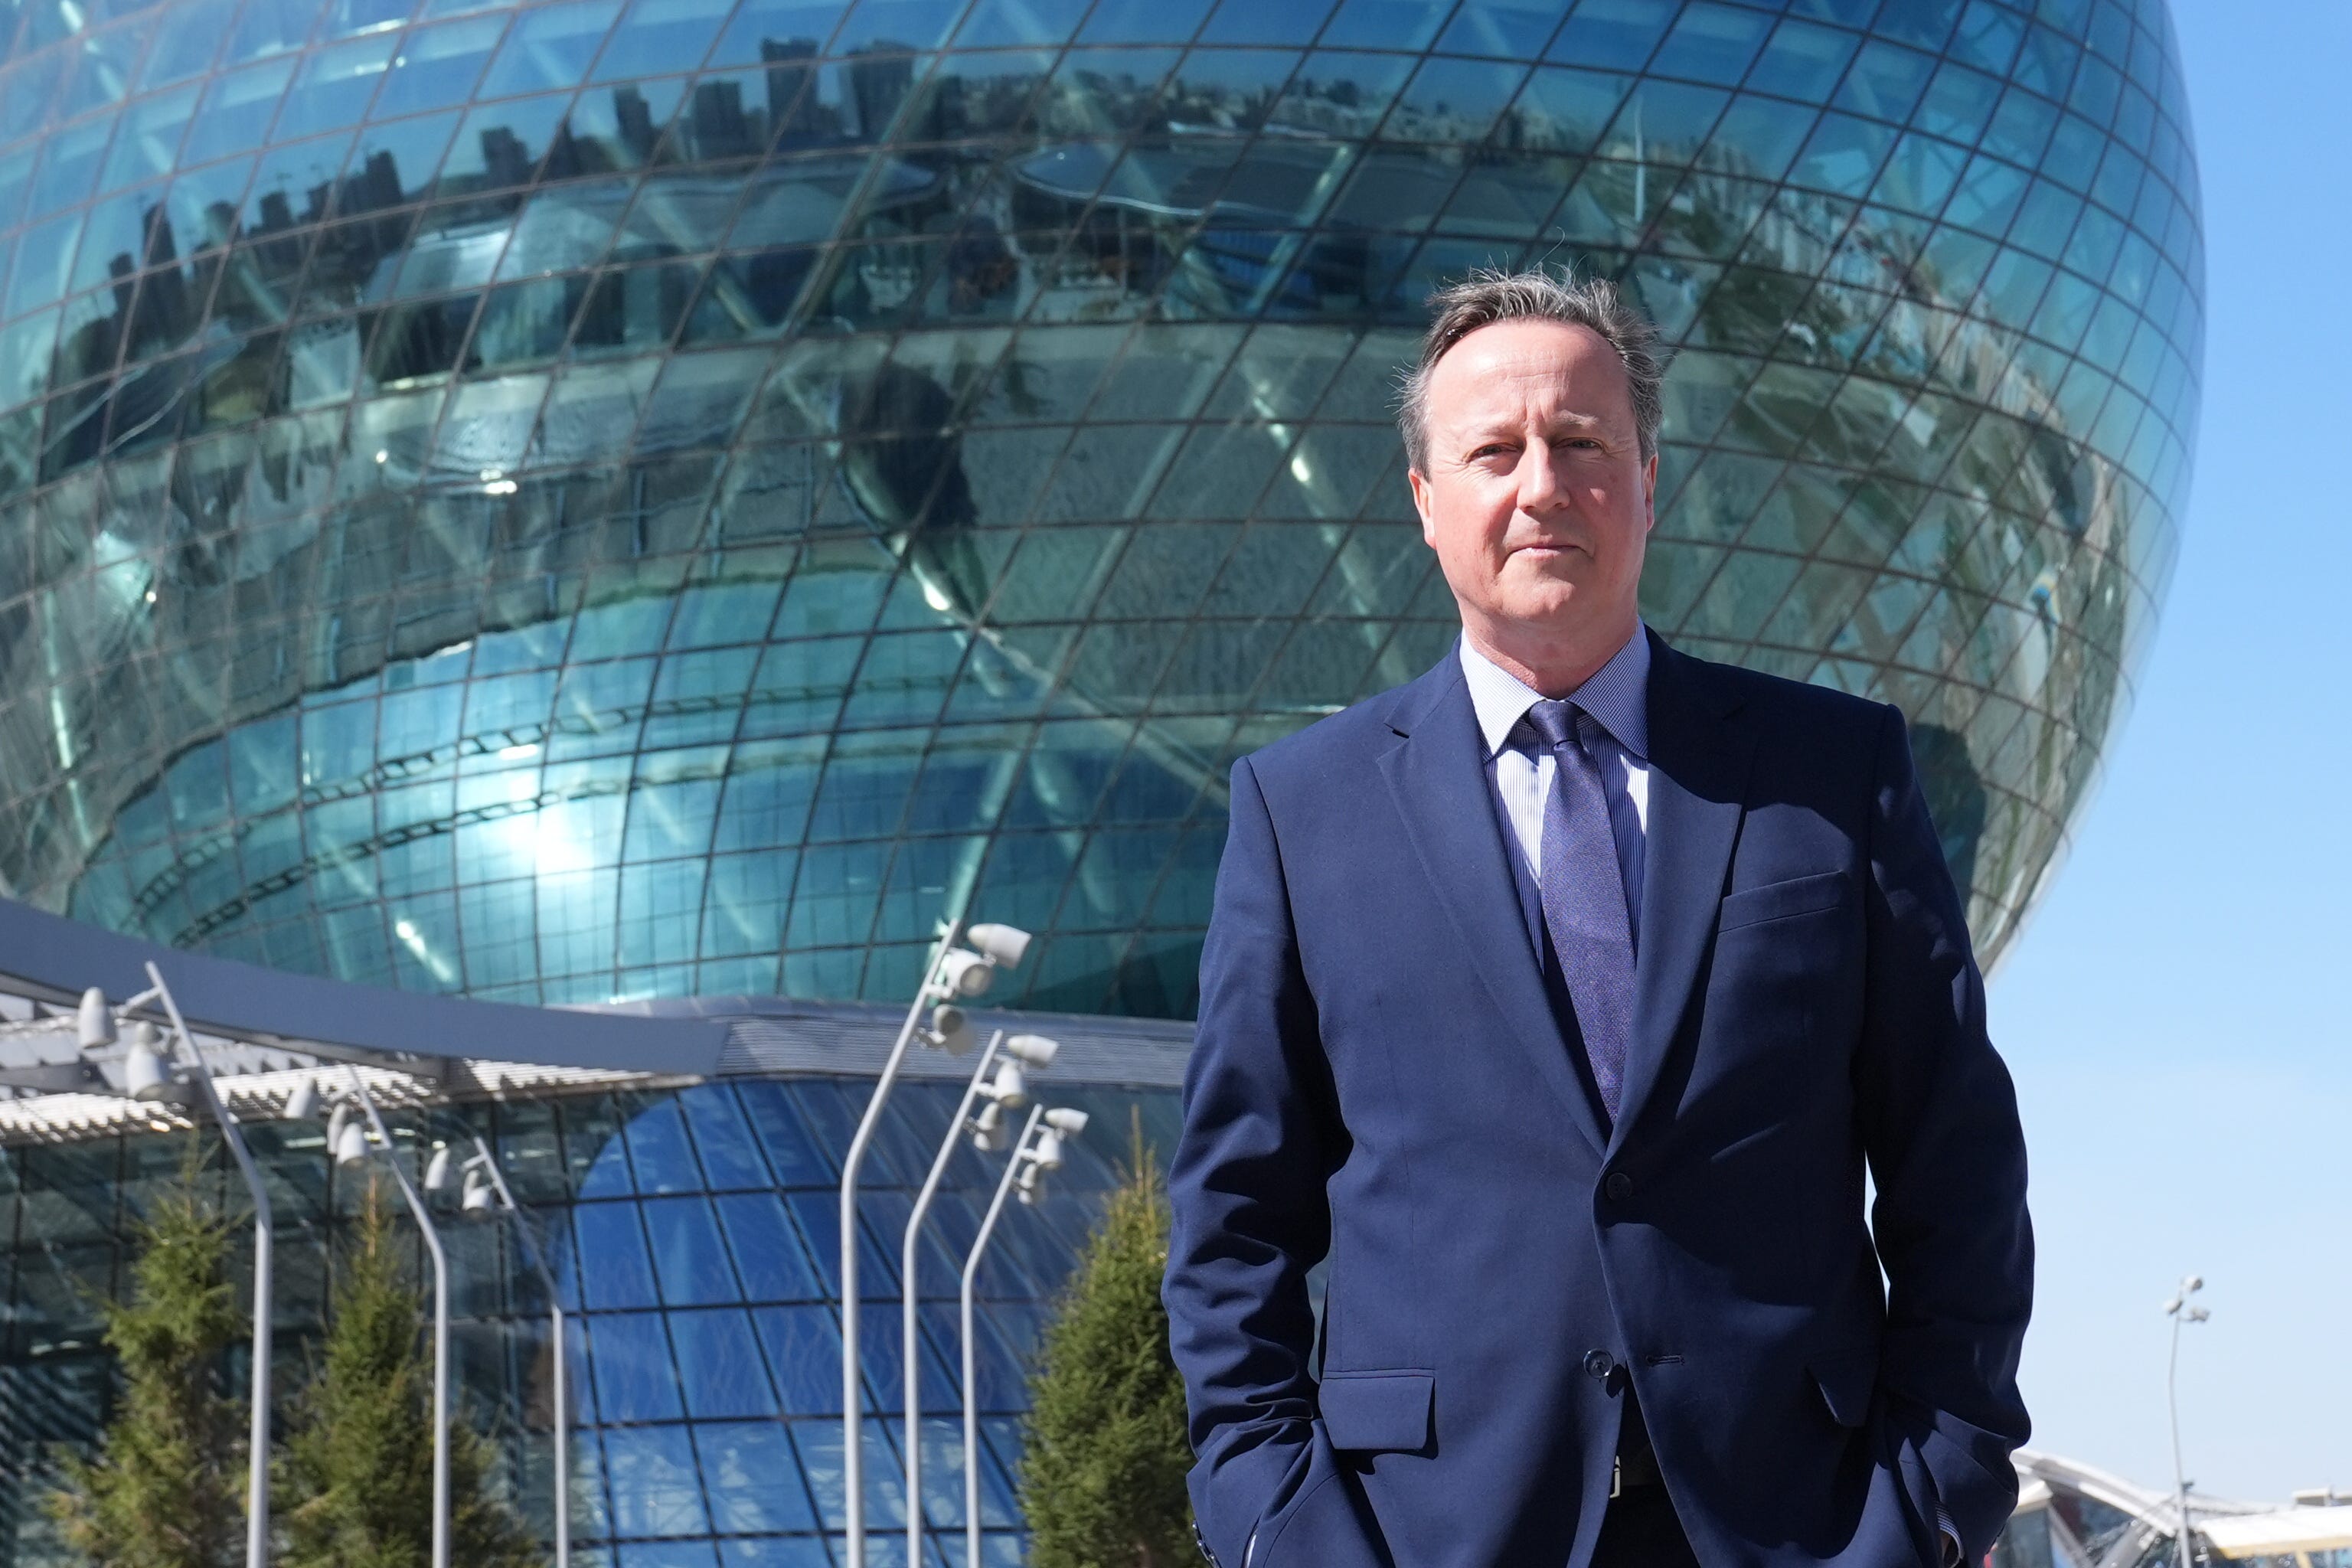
pixel 1584 897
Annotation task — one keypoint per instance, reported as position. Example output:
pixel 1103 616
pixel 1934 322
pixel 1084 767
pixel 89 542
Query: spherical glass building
pixel 621 498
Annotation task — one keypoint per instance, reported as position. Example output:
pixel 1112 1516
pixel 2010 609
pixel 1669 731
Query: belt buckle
pixel 1616 1479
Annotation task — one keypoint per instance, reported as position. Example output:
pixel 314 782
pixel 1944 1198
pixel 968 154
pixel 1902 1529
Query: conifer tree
pixel 1102 1472
pixel 357 1491
pixel 166 1488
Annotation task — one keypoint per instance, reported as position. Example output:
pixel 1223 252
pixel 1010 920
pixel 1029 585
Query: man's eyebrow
pixel 1505 427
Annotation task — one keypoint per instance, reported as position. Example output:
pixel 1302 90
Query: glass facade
pixel 706 1380
pixel 611 498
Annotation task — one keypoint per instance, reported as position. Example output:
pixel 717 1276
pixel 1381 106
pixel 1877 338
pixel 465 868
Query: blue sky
pixel 2179 1010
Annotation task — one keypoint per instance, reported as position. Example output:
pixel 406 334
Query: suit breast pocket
pixel 1784 901
pixel 1785 977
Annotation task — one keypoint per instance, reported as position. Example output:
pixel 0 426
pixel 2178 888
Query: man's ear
pixel 1650 493
pixel 1420 503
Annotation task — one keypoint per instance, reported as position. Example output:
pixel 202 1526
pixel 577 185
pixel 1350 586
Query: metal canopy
pixel 262 1032
pixel 48 958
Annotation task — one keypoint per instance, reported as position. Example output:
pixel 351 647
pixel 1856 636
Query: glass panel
pixel 1513 30
pixel 396 163
pixel 550 47
pixel 819 1447
pixel 753 1480
pixel 620 1275
pixel 719 1366
pixel 634 1378
pixel 668 1554
pixel 1711 43
pixel 1406 25
pixel 688 1252
pixel 657 36
pixel 994 24
pixel 1141 22
pixel 1802 60
pixel 789 1551
pixel 724 1138
pixel 1616 35
pixel 44 261
pixel 655 1489
pixel 803 1347
pixel 773 1261
pixel 437 66
pixel 270 26
pixel 658 1149
pixel 186 40
pixel 237 112
pixel 1250 22
pixel 791 1151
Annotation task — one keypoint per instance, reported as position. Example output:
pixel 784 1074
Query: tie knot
pixel 1554 722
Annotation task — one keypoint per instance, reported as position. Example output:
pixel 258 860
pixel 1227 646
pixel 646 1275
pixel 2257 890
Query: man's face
pixel 1534 492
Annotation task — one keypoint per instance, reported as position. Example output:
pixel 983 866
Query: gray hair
pixel 1487 297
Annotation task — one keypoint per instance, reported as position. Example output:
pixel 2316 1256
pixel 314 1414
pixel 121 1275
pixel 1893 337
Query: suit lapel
pixel 1700 752
pixel 1437 774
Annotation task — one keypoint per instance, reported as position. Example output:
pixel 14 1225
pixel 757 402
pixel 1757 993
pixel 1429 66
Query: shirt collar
pixel 1618 695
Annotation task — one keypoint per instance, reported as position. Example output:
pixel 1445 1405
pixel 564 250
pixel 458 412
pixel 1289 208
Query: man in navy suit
pixel 1559 1002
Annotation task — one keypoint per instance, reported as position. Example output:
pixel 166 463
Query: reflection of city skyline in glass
pixel 632 497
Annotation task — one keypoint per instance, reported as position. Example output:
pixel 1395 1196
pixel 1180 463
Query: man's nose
pixel 1540 490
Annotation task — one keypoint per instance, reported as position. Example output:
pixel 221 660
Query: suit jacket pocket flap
pixel 1847 1380
pixel 1778 900
pixel 1379 1410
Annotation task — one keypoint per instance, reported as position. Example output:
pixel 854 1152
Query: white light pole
pixel 1008 1090
pixel 949 975
pixel 350 1148
pixel 150 1077
pixel 2179 1311
pixel 1024 1171
pixel 486 1193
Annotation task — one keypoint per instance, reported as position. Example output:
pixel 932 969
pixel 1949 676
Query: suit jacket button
pixel 1599 1364
pixel 1619 1186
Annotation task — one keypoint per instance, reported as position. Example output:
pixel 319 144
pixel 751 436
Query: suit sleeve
pixel 1247 1189
pixel 1940 1126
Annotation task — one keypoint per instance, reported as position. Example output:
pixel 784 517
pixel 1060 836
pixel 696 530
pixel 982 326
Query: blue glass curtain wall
pixel 695 1233
pixel 609 498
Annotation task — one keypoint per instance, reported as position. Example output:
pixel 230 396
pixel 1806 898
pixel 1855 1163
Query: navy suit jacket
pixel 1382 1081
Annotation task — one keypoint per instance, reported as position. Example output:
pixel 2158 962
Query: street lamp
pixel 1037 1151
pixel 2180 1311
pixel 348 1144
pixel 178 1073
pixel 484 1194
pixel 951 975
pixel 1007 1089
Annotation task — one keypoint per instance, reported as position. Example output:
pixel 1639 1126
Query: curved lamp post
pixel 2180 1311
pixel 1037 1151
pixel 347 1144
pixel 950 974
pixel 179 1074
pixel 485 1195
pixel 1007 1089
